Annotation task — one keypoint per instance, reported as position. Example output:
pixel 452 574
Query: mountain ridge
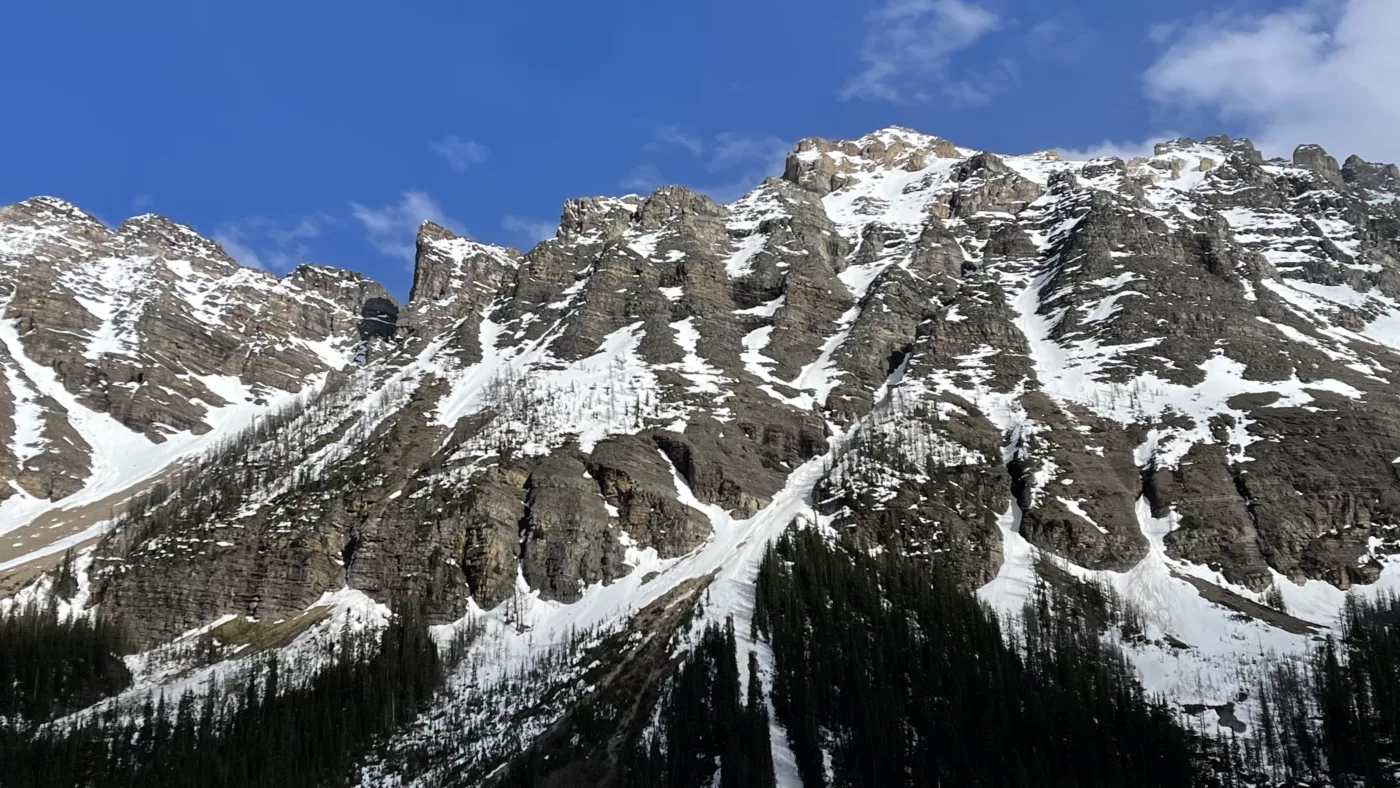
pixel 129 348
pixel 1170 375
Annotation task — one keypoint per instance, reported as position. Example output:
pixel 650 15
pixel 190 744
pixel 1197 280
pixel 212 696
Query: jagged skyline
pixel 326 133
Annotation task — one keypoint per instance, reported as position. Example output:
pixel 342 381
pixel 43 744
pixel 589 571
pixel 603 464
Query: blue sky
pixel 319 131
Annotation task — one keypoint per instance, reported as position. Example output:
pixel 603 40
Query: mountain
pixel 126 350
pixel 1168 380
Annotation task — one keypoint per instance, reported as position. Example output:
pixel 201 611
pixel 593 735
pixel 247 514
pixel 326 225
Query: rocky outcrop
pixel 1316 159
pixel 453 278
pixel 638 485
pixel 823 167
pixel 1359 173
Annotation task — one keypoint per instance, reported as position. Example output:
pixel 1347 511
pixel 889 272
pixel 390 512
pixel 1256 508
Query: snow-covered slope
pixel 1170 376
pixel 125 350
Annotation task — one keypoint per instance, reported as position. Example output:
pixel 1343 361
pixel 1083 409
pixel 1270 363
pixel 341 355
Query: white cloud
pixel 535 230
pixel 1125 150
pixel 642 179
pixel 1324 71
pixel 725 193
pixel 1062 38
pixel 980 85
pixel 393 228
pixel 460 154
pixel 306 228
pixel 675 135
pixel 747 160
pixel 739 161
pixel 236 249
pixel 732 150
pixel 141 202
pixel 264 243
pixel 909 46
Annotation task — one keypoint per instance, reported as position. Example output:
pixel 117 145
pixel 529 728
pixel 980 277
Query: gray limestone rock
pixel 565 539
pixel 1316 159
pixel 1359 173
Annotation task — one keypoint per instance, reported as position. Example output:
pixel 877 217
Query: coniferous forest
pixel 51 666
pixel 885 673
pixel 263 735
pixel 706 728
pixel 889 675
pixel 1335 718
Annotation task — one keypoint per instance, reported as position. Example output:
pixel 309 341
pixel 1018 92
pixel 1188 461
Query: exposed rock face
pixel 1182 361
pixel 1315 159
pixel 824 167
pixel 119 340
pixel 454 278
pixel 1382 178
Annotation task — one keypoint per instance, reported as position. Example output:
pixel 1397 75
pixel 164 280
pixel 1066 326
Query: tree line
pixel 706 733
pixel 886 673
pixel 890 674
pixel 1333 717
pixel 52 665
pixel 255 734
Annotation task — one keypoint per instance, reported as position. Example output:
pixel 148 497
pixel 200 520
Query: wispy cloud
pixel 733 150
pixel 1125 149
pixel 393 228
pixel 675 135
pixel 1322 72
pixel 141 202
pixel 746 159
pixel 732 162
pixel 460 154
pixel 265 243
pixel 909 46
pixel 642 178
pixel 238 250
pixel 306 228
pixel 1062 38
pixel 979 86
pixel 733 188
pixel 533 230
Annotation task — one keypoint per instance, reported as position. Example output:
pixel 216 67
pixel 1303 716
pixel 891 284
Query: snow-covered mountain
pixel 125 350
pixel 1170 376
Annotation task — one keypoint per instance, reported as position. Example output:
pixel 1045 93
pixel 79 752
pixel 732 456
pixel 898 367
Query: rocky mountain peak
pixel 1242 146
pixel 598 218
pixel 47 209
pixel 1167 147
pixel 340 286
pixel 451 276
pixel 1358 172
pixel 40 221
pixel 128 349
pixel 158 236
pixel 1316 159
pixel 674 203
pixel 824 166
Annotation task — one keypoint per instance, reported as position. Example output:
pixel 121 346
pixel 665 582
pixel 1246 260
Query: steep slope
pixel 1171 376
pixel 124 350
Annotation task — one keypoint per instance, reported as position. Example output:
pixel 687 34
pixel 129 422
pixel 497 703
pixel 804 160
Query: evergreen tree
pixel 891 675
pixel 259 734
pixel 51 666
pixel 706 734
